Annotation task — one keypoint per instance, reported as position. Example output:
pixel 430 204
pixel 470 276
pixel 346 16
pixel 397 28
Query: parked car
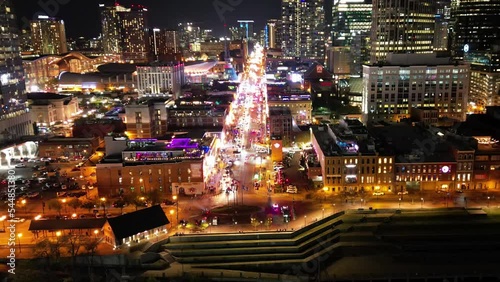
pixel 378 193
pixel 21 165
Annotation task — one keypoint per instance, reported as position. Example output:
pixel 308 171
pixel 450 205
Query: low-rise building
pixel 175 166
pixel 299 103
pixel 68 147
pixel 201 116
pixel 144 224
pixel 349 164
pixel 49 108
pixel 146 118
pixel 280 124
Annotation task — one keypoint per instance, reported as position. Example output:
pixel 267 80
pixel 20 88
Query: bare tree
pixel 54 204
pixel 75 203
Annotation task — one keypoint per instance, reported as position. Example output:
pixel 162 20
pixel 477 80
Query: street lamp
pixel 177 206
pixel 58 234
pixel 96 232
pixel 103 200
pixel 19 235
pixel 488 201
pixel 400 203
pixel 64 204
pixel 422 203
pixel 2 219
pixel 323 212
pixel 23 202
pixel 305 220
pixel 171 215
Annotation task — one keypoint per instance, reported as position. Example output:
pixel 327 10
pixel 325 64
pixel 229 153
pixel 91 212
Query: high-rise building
pixel 207 34
pixel 290 22
pixel 408 81
pixel 124 31
pixel 441 30
pixel 303 28
pixel 15 119
pixel 402 27
pixel 189 33
pixel 48 35
pixel 246 28
pixel 163 42
pixel 474 34
pixel 273 33
pixel 351 25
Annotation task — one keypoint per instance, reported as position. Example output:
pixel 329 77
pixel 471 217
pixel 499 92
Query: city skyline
pixel 206 13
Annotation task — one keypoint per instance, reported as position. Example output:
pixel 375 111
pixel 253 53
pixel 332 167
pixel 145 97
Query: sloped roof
pixel 67 224
pixel 139 221
pixel 313 73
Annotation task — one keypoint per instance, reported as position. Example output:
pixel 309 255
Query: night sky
pixel 81 17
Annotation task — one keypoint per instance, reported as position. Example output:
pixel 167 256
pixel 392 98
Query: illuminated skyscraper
pixel 189 33
pixel 402 27
pixel 441 31
pixel 475 37
pixel 351 25
pixel 273 33
pixel 15 120
pixel 48 35
pixel 124 31
pixel 246 28
pixel 163 42
pixel 303 28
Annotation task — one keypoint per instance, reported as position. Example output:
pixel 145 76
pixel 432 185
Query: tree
pixel 75 203
pixel 154 196
pixel 120 204
pixel 88 205
pixel 56 205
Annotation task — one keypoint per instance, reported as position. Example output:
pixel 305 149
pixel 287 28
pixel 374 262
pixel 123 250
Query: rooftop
pixel 69 224
pixel 139 221
pixel 279 111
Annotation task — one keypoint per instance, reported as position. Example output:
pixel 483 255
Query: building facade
pixel 15 119
pixel 280 124
pixel 48 36
pixel 402 27
pixel 189 116
pixel 156 79
pixel 146 119
pixel 300 105
pixel 303 28
pixel 124 31
pixel 351 25
pixel 49 108
pixel 163 42
pixel 417 80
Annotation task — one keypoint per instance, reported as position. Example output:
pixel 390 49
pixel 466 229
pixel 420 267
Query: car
pixel 291 189
pixel 17 220
pixel 460 191
pixel 84 187
pixel 64 187
pixel 403 193
pixel 378 193
pixel 168 202
pixel 21 165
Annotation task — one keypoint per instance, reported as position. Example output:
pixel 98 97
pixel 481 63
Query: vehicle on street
pixel 378 193
pixel 286 213
pixel 21 165
pixel 403 193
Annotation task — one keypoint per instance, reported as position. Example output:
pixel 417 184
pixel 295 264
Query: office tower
pixel 273 33
pixel 25 42
pixel 408 81
pixel 163 42
pixel 351 25
pixel 189 33
pixel 48 35
pixel 402 27
pixel 441 38
pixel 303 28
pixel 246 28
pixel 207 34
pixel 475 33
pixel 124 31
pixel 15 120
